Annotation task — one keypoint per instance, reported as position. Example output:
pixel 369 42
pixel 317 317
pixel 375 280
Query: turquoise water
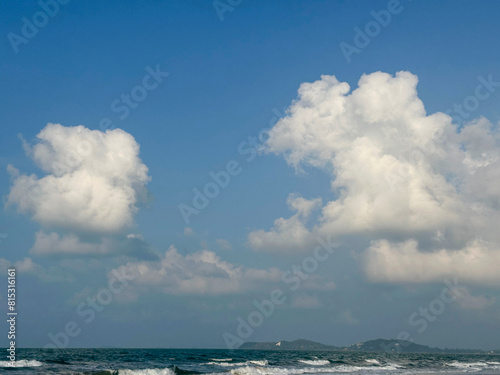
pixel 242 362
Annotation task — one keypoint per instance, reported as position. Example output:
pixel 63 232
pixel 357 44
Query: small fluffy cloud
pixel 288 234
pixel 92 184
pixel 398 174
pixel 202 272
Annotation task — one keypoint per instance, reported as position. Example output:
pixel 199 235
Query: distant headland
pixel 378 345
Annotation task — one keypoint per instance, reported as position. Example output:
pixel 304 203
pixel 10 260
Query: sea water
pixel 242 362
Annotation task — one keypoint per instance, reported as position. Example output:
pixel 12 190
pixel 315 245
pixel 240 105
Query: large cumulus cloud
pixel 92 184
pixel 414 180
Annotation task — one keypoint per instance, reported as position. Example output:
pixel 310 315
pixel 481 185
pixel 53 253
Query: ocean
pixel 242 362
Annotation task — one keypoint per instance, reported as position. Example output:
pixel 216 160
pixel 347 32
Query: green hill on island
pixel 300 344
pixel 378 345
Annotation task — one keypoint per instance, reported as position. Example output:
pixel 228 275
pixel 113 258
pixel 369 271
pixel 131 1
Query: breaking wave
pixel 152 371
pixel 21 363
pixel 315 362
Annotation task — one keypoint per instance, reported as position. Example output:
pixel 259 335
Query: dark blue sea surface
pixel 241 362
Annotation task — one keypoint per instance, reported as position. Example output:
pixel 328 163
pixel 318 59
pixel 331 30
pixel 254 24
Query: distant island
pixel 300 344
pixel 378 345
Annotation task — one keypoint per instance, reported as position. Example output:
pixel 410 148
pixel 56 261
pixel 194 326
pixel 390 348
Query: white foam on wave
pixel 256 370
pixel 221 359
pixel 475 366
pixel 374 361
pixel 225 364
pixel 349 368
pixel 234 364
pixel 21 363
pixel 148 371
pixel 390 367
pixel 467 365
pixel 253 370
pixel 258 363
pixel 315 362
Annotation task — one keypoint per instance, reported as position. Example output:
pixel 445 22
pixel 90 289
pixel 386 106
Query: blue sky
pixel 229 79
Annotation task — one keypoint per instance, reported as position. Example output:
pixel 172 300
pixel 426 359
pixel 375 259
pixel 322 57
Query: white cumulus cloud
pixel 414 180
pixel 202 272
pixel 92 184
pixel 288 234
pixel 478 262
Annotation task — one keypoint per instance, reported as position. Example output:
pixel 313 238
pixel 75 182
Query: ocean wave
pixel 350 368
pixel 148 371
pixel 180 371
pixel 258 363
pixel 21 363
pixel 373 361
pixel 315 362
pixel 255 370
pixel 390 367
pixel 467 365
pixel 225 364
pixel 57 361
pixel 252 370
pixel 234 364
pixel 221 359
pixel 475 366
